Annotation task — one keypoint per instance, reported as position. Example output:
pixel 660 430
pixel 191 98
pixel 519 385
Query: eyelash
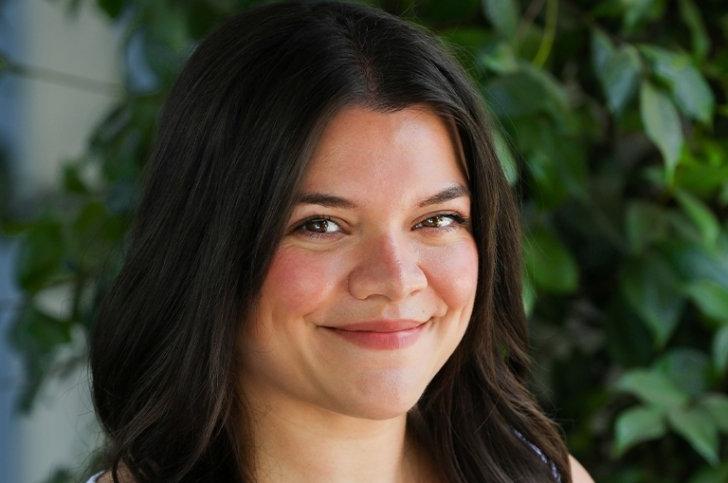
pixel 460 222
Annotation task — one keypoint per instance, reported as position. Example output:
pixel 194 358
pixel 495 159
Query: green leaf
pixel 528 295
pixel 499 57
pixel 112 7
pixel 717 405
pixel 550 264
pixel 72 181
pixel 619 77
pixel 688 369
pixel 700 215
pixel 507 162
pixel 636 11
pixel 636 425
pixel 526 92
pixel 720 350
pixel 711 297
pixel 652 387
pixel 556 164
pixel 696 425
pixel 601 50
pixel 689 88
pixel 503 15
pixel 468 44
pixel 37 336
pixel 653 291
pixel 662 124
pixel 645 223
pixel 711 474
pixel 692 18
pixel 40 256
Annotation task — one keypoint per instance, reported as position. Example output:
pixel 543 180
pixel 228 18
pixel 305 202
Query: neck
pixel 301 442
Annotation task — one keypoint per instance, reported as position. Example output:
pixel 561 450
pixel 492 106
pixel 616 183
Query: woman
pixel 323 279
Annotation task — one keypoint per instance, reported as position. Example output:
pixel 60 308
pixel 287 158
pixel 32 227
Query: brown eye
pixel 441 221
pixel 316 227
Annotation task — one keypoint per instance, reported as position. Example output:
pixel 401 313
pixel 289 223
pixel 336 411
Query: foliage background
pixel 613 123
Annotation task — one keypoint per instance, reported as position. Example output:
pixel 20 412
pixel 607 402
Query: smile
pixel 399 339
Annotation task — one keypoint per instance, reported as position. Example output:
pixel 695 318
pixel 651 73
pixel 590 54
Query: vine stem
pixel 547 41
pixel 60 78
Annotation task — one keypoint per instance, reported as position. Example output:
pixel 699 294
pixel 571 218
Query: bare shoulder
pixel 578 473
pixel 123 474
pixel 104 478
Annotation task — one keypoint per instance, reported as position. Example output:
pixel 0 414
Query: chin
pixel 381 402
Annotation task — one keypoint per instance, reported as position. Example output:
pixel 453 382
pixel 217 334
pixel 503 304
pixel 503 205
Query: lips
pixel 381 334
pixel 382 325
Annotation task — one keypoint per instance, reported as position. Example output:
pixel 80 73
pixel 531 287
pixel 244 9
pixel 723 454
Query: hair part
pixel 236 133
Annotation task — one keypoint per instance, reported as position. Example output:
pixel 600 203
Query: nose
pixel 389 267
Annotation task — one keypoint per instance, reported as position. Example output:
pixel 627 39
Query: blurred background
pixel 611 124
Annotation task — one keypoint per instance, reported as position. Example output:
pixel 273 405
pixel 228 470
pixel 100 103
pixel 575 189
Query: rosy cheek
pixel 453 272
pixel 299 279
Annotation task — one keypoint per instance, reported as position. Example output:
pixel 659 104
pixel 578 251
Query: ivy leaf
pixel 499 57
pixel 526 92
pixel 503 15
pixel 691 16
pixel 652 387
pixel 507 162
pixel 468 44
pixel 73 181
pixel 528 295
pixel 619 77
pixel 688 369
pixel 37 336
pixel 549 262
pixel 653 291
pixel 662 124
pixel 636 11
pixel 711 297
pixel 112 7
pixel 601 50
pixel 696 425
pixel 711 474
pixel 645 223
pixel 689 88
pixel 40 256
pixel 720 350
pixel 700 215
pixel 636 425
pixel 717 405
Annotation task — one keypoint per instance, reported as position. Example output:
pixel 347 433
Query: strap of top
pixel 95 477
pixel 554 471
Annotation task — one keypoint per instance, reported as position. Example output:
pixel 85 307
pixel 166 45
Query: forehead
pixel 373 152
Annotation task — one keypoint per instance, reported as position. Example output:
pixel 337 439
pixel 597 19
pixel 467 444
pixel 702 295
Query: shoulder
pixel 101 477
pixel 578 473
pixel 105 477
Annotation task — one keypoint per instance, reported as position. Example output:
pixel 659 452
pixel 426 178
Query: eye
pixel 321 226
pixel 456 221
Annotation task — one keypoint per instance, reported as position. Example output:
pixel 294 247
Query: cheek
pixel 453 272
pixel 299 280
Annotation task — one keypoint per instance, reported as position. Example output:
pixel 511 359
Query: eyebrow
pixel 332 201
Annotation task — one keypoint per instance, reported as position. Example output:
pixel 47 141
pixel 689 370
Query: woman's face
pixel 389 249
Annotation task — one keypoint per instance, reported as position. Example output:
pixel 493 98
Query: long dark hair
pixel 234 138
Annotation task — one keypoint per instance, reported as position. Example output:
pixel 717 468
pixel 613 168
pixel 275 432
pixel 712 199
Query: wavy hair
pixel 235 135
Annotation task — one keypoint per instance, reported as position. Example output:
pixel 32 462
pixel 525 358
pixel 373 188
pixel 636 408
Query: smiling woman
pixel 323 279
